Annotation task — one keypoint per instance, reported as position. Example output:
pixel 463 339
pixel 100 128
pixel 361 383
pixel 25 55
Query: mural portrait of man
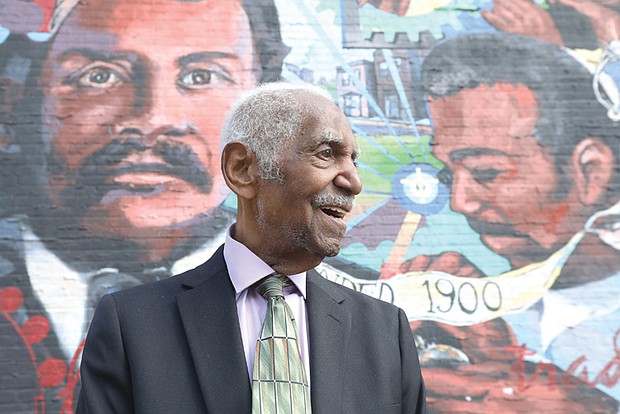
pixel 529 161
pixel 124 173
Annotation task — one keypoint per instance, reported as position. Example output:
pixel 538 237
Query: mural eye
pixel 202 78
pixel 445 176
pixel 99 78
pixel 198 77
pixel 486 175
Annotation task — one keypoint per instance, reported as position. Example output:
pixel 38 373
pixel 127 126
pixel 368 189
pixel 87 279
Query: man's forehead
pixel 486 113
pixel 111 15
pixel 492 97
pixel 66 7
pixel 460 145
pixel 154 27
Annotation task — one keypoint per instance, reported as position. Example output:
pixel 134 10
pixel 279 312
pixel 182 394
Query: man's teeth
pixel 336 212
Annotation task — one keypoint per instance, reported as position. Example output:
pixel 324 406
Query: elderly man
pixel 187 344
pixel 111 169
pixel 530 155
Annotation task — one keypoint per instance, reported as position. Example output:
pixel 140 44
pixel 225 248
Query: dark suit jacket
pixel 175 346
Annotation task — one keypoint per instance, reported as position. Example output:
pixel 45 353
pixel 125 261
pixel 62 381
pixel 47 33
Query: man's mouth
pixel 143 178
pixel 336 206
pixel 142 175
pixel 335 212
pixel 493 229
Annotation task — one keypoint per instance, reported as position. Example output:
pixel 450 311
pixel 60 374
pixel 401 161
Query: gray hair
pixel 265 119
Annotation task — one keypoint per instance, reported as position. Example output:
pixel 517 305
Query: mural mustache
pixel 95 182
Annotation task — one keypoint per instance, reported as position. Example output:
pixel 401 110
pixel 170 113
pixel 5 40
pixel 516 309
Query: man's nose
pixel 349 178
pixel 157 113
pixel 464 196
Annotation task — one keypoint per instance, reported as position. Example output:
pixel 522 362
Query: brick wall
pixel 490 145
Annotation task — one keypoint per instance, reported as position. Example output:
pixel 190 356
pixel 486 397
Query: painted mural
pixel 490 138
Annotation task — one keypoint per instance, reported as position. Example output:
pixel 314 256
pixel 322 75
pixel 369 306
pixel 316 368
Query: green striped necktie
pixel 279 382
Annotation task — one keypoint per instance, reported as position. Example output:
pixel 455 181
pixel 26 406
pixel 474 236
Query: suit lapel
pixel 329 325
pixel 209 316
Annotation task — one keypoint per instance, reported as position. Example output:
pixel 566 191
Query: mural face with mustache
pixel 135 113
pixel 503 180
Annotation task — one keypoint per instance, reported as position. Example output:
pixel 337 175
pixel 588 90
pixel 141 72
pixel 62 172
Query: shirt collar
pixel 55 284
pixel 245 268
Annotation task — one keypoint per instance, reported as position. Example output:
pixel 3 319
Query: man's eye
pixel 326 153
pixel 198 78
pixel 99 78
pixel 486 175
pixel 202 78
pixel 445 176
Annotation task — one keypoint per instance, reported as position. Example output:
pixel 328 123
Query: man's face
pixel 504 181
pixel 136 93
pixel 304 214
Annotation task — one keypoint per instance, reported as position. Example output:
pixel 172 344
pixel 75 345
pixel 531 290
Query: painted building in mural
pixel 490 139
pixel 350 100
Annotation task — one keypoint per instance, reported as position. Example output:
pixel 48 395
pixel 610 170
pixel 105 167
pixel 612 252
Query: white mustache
pixel 334 200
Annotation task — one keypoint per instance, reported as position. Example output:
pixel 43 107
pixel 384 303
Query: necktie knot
pixel 272 286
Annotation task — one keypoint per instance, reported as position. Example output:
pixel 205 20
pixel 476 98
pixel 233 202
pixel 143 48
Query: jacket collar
pixel 209 315
pixel 329 323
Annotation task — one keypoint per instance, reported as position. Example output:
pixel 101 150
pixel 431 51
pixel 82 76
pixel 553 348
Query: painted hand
pixel 448 262
pixel 525 18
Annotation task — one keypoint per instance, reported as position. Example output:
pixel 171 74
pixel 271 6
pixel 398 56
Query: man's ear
pixel 240 170
pixel 594 168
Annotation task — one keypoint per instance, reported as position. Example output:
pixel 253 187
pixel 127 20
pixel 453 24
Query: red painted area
pixel 577 373
pixel 52 372
pixel 48 9
pixel 609 376
pixel 35 329
pixel 11 299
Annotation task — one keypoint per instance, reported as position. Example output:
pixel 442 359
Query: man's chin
pixel 148 219
pixel 503 244
pixel 147 224
pixel 166 209
pixel 518 250
pixel 332 253
pixel 93 241
pixel 329 248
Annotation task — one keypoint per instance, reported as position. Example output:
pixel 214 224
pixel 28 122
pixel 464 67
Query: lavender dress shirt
pixel 245 269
